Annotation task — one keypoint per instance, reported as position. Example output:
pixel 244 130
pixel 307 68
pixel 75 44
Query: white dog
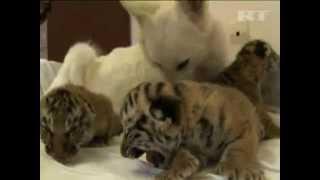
pixel 112 75
pixel 181 37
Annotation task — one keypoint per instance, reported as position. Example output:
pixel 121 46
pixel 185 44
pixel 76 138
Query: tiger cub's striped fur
pixel 71 116
pixel 253 62
pixel 188 127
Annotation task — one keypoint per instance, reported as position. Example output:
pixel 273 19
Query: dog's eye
pixel 183 64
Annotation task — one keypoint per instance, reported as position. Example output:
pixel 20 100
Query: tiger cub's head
pixel 150 118
pixel 255 59
pixel 65 123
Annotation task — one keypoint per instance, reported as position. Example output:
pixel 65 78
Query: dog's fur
pixel 111 75
pixel 175 31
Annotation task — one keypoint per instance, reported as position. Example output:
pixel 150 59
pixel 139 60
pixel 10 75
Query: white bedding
pixel 107 164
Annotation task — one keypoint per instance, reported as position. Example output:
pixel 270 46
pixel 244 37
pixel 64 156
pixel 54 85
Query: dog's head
pixel 181 37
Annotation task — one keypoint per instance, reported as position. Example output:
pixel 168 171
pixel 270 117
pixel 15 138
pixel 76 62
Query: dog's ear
pixel 194 9
pixel 140 9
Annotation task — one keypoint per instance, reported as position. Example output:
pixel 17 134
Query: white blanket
pixel 106 163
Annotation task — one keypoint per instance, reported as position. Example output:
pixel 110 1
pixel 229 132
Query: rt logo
pixel 251 15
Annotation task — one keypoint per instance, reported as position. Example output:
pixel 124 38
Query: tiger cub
pixel 188 127
pixel 71 116
pixel 255 59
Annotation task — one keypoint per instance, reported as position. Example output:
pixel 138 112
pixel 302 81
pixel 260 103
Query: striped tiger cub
pixel 251 66
pixel 72 117
pixel 189 127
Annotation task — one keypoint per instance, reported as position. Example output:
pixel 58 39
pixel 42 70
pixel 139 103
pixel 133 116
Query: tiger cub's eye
pixel 74 134
pixel 136 136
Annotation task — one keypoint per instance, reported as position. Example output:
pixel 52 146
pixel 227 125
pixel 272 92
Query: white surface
pixel 107 164
pixel 96 163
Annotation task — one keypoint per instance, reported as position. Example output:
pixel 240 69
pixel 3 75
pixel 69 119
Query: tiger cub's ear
pixel 166 109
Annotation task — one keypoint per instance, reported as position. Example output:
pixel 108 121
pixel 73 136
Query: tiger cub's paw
pixel 246 175
pixel 240 174
pixel 250 175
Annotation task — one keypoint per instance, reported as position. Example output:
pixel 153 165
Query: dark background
pixel 106 23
